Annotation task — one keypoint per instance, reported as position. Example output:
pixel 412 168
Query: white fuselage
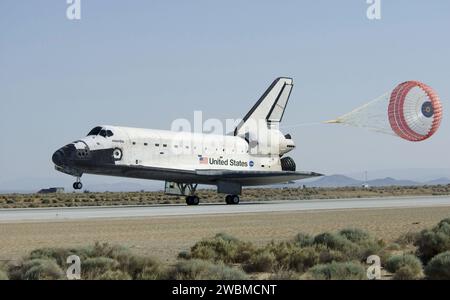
pixel 182 150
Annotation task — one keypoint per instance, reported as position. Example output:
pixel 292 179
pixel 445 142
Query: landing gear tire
pixel 232 199
pixel 192 200
pixel 77 185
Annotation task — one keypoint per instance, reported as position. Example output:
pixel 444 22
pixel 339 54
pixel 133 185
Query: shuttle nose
pixel 61 156
pixel 58 157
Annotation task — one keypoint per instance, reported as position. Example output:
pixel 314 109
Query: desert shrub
pixel 439 267
pixel 337 271
pixel 140 267
pixel 155 272
pixel 282 252
pixel 222 248
pixel 327 255
pixel 368 248
pixel 96 250
pixel 303 240
pixel 338 242
pixel 324 249
pixel 393 247
pixel 445 221
pixel 107 250
pixel 431 242
pixel 261 261
pixel 368 244
pixel 206 250
pixel 3 275
pixel 405 266
pixel 355 235
pixel 408 238
pixel 36 269
pixel 244 252
pixel 60 255
pixel 196 269
pixel 305 251
pixel 406 273
pixel 302 259
pixel 93 268
pixel 114 275
pixel 101 257
pixel 144 268
pixel 332 241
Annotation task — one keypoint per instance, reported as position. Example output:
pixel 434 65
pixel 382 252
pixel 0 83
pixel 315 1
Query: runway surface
pixel 80 213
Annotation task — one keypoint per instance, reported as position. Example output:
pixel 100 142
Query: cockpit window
pixel 95 131
pixel 103 133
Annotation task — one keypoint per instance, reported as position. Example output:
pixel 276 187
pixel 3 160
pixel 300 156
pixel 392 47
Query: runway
pixel 82 213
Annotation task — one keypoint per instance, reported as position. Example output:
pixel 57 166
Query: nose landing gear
pixel 77 185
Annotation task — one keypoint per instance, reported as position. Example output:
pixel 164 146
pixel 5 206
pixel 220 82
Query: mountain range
pixel 344 181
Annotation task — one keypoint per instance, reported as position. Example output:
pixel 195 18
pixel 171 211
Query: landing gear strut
pixel 232 199
pixel 77 185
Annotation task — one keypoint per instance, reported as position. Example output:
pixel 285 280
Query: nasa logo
pixel 251 163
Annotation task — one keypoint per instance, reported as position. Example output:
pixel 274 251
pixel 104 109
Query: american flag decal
pixel 203 160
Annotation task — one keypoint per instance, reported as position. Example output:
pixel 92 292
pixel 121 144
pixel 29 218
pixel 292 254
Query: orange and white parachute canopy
pixel 412 111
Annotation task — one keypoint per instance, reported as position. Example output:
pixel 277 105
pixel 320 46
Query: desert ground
pixel 165 237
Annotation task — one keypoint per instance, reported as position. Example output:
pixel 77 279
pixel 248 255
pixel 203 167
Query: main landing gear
pixel 232 199
pixel 192 199
pixel 77 185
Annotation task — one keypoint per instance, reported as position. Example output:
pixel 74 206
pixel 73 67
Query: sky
pixel 146 63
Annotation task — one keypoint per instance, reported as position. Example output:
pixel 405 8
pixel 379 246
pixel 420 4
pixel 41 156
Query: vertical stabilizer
pixel 270 108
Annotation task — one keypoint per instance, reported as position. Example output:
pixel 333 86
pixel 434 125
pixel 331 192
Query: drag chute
pixel 412 111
